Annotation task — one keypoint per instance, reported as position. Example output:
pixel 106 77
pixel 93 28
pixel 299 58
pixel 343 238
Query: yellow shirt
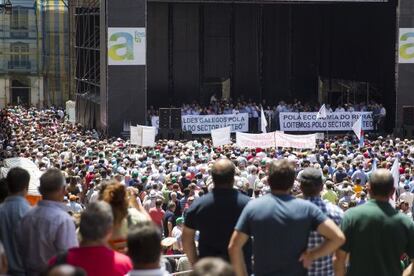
pixel 357 189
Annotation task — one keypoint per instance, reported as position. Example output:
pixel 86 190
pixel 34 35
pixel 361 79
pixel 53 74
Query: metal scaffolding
pixel 85 50
pixel 86 46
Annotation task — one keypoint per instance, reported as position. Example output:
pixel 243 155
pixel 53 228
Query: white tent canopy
pixel 28 165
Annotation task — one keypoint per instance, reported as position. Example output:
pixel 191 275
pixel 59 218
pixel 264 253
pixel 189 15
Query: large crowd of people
pixel 112 208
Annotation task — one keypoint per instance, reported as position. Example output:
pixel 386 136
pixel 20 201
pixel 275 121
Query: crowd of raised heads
pixel 241 105
pixel 112 208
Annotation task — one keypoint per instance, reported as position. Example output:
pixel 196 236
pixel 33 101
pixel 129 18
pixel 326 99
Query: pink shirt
pixel 157 215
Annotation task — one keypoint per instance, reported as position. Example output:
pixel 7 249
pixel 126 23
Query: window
pixel 19 55
pixel 19 19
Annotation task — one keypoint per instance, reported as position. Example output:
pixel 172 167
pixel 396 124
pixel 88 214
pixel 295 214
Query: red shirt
pixel 88 178
pixel 98 261
pixel 157 215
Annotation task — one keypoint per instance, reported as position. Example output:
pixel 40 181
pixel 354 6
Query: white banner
pixel 335 121
pixel 275 139
pixel 134 136
pixel 148 136
pixel 203 124
pixel 142 136
pixel 221 136
pixel 71 111
pixel 295 141
pixel 248 140
pixel 29 166
pixel 126 46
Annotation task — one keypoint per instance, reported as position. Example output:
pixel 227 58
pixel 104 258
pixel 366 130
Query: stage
pixel 267 50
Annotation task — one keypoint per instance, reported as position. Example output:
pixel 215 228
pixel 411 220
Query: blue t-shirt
pixel 280 226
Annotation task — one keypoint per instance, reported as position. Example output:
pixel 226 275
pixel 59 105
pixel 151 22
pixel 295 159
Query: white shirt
pixel 252 178
pixel 213 99
pixel 177 233
pixel 94 197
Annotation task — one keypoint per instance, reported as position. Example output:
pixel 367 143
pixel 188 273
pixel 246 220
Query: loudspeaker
pixel 408 115
pixel 164 118
pixel 176 118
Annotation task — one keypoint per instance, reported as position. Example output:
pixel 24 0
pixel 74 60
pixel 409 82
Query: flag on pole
pixel 357 128
pixel 263 121
pixel 321 113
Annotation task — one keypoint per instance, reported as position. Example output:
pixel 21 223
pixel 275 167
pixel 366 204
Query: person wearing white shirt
pixel 328 108
pixel 252 178
pixel 177 233
pixel 280 107
pixel 213 99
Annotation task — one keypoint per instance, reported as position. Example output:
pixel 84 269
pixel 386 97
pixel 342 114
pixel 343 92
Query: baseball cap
pixel 179 220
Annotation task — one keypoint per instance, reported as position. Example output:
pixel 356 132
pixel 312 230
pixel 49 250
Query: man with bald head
pixel 215 215
pixel 377 235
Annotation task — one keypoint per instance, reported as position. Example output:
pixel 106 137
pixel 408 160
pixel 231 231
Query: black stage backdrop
pixel 269 51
